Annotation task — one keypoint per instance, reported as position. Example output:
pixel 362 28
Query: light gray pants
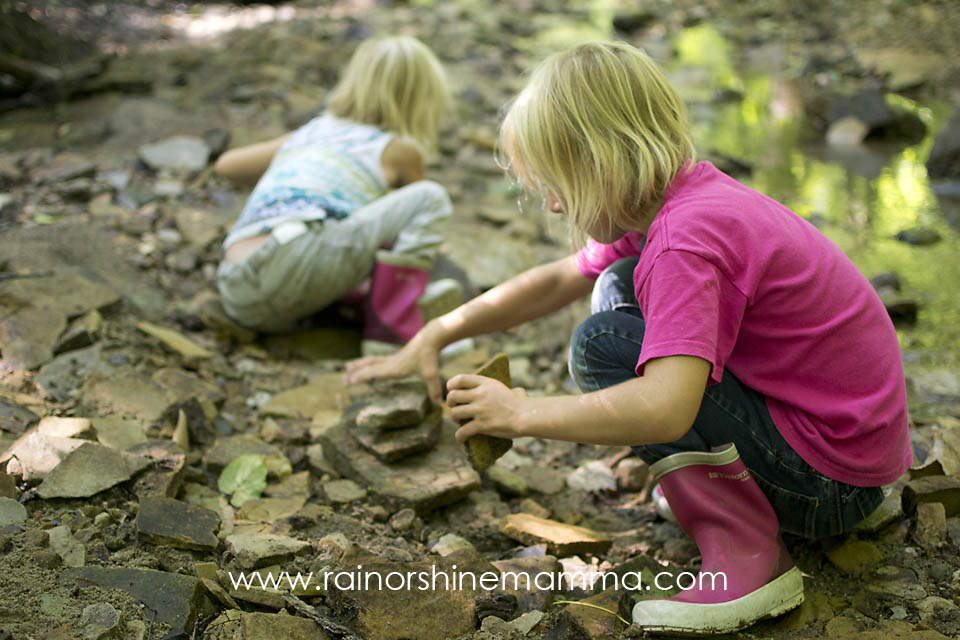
pixel 299 271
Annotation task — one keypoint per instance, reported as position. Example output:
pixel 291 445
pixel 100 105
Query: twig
pixel 329 625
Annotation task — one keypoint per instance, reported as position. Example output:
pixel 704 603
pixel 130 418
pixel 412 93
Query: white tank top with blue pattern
pixel 328 168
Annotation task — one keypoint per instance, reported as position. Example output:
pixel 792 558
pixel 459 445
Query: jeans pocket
pixel 797 513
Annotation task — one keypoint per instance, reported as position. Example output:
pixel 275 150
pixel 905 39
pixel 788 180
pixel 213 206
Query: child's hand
pixel 486 406
pixel 416 357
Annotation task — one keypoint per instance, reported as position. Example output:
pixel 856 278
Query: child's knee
pixel 433 196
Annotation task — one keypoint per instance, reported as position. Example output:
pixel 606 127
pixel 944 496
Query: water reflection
pixel 860 197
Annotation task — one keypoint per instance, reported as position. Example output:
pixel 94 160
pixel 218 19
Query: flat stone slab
pixel 86 250
pixel 60 378
pixel 177 599
pixel 29 330
pixel 127 392
pixel 423 482
pixel 11 512
pixel 342 491
pixel 34 454
pixel 88 470
pixel 390 445
pixel 271 509
pixel 187 348
pixel 388 404
pixel 188 154
pixel 256 550
pixel 119 433
pixel 561 539
pixel 325 392
pixel 172 523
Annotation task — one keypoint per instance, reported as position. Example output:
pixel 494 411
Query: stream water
pixel 860 197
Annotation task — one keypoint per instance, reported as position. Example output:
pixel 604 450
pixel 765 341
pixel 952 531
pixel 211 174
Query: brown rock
pixel 390 445
pixel 943 489
pixel 270 626
pixel 561 539
pixel 166 472
pixel 422 482
pixel 519 578
pixel 172 523
pixel 931 527
pixel 483 450
pixel 632 474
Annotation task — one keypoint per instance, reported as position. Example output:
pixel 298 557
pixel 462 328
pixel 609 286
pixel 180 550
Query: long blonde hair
pixel 396 84
pixel 599 127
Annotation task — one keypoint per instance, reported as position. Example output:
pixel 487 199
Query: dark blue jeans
pixel 604 351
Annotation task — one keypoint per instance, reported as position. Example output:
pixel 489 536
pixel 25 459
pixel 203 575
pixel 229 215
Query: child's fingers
pixel 460 396
pixel 367 371
pixel 464 432
pixel 464 413
pixel 465 381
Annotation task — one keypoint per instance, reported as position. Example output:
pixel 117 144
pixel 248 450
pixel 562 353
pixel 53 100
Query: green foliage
pixel 245 477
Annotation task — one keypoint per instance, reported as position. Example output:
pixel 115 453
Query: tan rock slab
pixel 33 455
pixel 88 470
pixel 190 350
pixel 561 539
pixel 270 509
pixel 63 427
pixel 483 450
pixel 256 550
pixel 390 445
pixel 118 432
pixel 324 393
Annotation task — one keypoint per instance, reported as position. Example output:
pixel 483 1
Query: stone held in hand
pixel 483 450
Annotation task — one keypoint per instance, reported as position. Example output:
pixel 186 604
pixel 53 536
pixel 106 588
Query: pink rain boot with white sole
pixel 401 300
pixel 746 574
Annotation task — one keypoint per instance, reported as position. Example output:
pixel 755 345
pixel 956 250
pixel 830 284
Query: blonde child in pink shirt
pixel 738 350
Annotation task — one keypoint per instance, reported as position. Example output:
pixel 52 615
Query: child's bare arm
pixel 659 406
pixel 402 161
pixel 245 165
pixel 532 294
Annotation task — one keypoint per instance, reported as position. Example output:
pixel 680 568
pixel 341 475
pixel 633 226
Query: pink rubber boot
pixel 392 314
pixel 746 573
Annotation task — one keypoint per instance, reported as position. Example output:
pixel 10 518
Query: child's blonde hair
pixel 598 127
pixel 396 84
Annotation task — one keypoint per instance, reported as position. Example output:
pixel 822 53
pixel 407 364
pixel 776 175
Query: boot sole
pixel 692 619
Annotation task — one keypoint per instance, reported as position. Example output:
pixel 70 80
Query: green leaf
pixel 245 477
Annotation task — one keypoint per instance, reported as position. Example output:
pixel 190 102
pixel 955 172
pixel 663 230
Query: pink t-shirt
pixel 736 278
